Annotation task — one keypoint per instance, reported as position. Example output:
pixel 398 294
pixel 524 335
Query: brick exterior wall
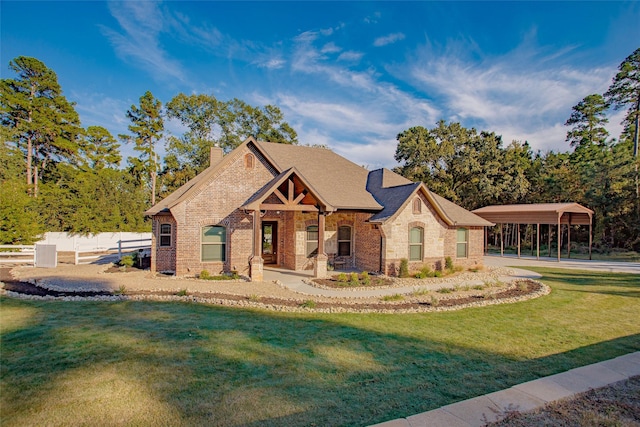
pixel 373 247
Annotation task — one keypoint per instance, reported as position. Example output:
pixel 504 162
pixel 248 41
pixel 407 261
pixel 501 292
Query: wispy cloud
pixel 141 24
pixel 272 64
pixel 523 95
pixel 351 56
pixel 389 39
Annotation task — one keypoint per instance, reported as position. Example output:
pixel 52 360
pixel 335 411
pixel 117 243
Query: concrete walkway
pixel 575 264
pixel 294 280
pixel 492 407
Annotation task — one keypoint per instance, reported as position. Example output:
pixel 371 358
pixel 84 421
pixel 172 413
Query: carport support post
pixel 549 240
pixel 518 239
pixel 501 241
pixel 559 233
pixel 590 238
pixel 537 241
pixel 569 237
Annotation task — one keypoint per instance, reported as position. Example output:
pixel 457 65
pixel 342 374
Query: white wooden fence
pixel 85 255
pixel 18 254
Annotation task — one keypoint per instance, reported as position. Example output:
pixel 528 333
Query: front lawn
pixel 152 363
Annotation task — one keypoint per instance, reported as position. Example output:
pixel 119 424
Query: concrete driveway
pixel 575 264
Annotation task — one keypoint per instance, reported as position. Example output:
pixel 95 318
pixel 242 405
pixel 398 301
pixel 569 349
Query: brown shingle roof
pixel 339 181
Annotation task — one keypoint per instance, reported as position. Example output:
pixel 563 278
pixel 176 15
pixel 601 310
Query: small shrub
pixel 424 273
pixel 444 291
pixel 308 304
pixel 394 297
pixel 404 267
pixel 523 286
pixel 437 273
pixel 330 267
pixel 205 275
pixel 343 278
pixel 434 301
pixel 126 261
pixel 182 293
pixel 354 279
pixel 420 292
pixel 254 298
pixel 122 290
pixel 448 263
pixel 479 287
pixel 364 277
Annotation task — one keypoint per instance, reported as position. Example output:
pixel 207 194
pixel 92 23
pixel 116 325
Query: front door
pixel 270 242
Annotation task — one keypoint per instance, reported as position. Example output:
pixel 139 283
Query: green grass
pixel 153 363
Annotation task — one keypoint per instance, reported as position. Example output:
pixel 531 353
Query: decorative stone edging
pixel 346 308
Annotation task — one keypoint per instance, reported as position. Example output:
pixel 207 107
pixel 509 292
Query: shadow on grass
pixel 618 284
pixel 221 366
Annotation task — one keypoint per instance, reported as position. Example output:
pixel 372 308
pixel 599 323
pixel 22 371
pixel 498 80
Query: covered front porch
pixel 282 211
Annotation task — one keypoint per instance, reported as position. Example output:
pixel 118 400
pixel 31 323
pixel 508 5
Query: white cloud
pixel 142 24
pixel 522 95
pixel 330 48
pixel 272 64
pixel 351 56
pixel 388 39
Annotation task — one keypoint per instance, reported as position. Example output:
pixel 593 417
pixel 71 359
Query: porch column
pixel 519 239
pixel 569 237
pixel 501 241
pixel 320 267
pixel 590 237
pixel 559 234
pixel 256 263
pixel 537 241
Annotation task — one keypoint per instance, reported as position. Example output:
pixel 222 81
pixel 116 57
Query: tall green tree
pixel 625 92
pixel 588 120
pixel 211 122
pixel 99 149
pixel 147 127
pixel 41 122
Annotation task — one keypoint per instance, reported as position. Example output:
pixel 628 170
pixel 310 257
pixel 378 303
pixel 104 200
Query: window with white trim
pixel 344 240
pixel 312 241
pixel 416 240
pixel 462 243
pixel 214 243
pixel 165 235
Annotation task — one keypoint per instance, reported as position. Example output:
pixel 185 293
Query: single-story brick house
pixel 302 208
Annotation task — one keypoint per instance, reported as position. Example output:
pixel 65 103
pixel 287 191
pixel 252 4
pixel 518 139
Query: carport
pixel 559 214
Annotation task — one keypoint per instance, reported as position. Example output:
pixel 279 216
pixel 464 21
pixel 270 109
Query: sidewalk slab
pixel 400 422
pixel 544 389
pixel 476 412
pixel 436 418
pixel 586 378
pixel 512 399
pixel 625 365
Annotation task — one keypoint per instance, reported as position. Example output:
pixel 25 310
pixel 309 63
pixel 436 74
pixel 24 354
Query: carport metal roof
pixel 539 213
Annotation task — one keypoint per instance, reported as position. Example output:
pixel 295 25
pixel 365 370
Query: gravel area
pixel 143 285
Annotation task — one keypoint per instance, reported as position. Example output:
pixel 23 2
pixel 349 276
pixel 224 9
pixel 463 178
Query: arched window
pixel 248 161
pixel 417 205
pixel 312 240
pixel 165 235
pixel 416 239
pixel 214 243
pixel 344 240
pixel 462 243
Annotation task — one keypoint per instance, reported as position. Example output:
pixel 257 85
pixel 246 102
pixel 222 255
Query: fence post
pixel 120 248
pixel 35 253
pixel 75 261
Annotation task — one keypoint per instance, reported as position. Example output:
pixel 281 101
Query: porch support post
pixel 501 241
pixel 549 240
pixel 486 241
pixel 518 232
pixel 569 237
pixel 537 241
pixel 256 263
pixel 320 267
pixel 590 237
pixel 559 233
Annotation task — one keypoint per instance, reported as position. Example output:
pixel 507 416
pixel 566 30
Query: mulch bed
pixel 26 288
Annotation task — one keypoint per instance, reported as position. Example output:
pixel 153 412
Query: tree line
pixel 474 169
pixel 58 176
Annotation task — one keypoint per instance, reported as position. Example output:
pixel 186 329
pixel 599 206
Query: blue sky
pixel 351 75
